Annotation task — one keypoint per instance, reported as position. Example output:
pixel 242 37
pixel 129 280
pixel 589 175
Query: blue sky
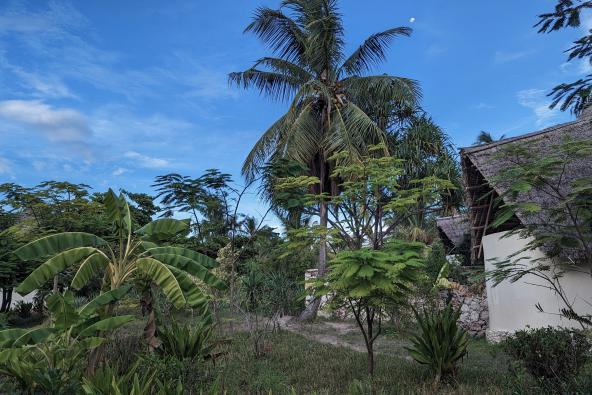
pixel 113 93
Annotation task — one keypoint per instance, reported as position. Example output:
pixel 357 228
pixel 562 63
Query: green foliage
pixel 50 358
pixel 23 309
pixel 575 95
pixel 194 342
pixel 107 381
pixel 550 354
pixel 328 90
pixel 367 281
pixel 208 199
pixel 441 343
pixel 374 276
pixel 94 254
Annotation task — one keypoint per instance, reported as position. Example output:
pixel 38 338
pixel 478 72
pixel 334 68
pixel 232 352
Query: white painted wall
pixel 16 298
pixel 512 305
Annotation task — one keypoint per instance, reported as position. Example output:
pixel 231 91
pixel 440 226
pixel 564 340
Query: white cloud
pixel 411 20
pixel 586 21
pixel 39 165
pixel 538 102
pixel 57 124
pixel 119 171
pixel 4 166
pixel 147 161
pixel 504 57
pixel 483 106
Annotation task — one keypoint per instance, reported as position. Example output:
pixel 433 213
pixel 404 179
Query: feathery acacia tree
pixel 574 95
pixel 325 88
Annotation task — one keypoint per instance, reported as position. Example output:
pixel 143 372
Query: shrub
pixel 550 354
pixel 182 341
pixel 23 309
pixel 107 381
pixel 441 343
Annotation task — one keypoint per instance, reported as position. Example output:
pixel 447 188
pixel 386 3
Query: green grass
pixel 294 362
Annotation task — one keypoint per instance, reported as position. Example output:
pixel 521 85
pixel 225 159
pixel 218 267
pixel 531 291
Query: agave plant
pixel 441 343
pixel 134 254
pixel 107 381
pixel 193 342
pixel 49 357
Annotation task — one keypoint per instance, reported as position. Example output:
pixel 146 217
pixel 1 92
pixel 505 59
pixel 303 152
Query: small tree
pixel 366 281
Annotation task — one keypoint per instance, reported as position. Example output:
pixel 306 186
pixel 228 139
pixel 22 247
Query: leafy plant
pixel 194 342
pixel 107 381
pixel 441 343
pixel 51 358
pixel 550 354
pixel 133 255
pixel 23 309
pixel 365 281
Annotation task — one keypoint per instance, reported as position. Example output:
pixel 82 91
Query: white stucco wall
pixel 17 298
pixel 512 305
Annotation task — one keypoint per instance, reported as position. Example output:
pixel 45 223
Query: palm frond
pixel 372 51
pixel 263 148
pixel 283 36
pixel 285 67
pixel 276 85
pixel 367 91
pixel 353 131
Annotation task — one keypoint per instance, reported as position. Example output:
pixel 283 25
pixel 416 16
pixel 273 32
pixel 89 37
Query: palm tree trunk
pixel 310 312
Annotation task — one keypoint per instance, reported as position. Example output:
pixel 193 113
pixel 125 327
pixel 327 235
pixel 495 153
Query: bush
pixel 182 341
pixel 550 354
pixel 441 343
pixel 23 309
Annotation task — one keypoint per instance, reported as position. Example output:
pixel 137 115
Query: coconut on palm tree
pixel 326 90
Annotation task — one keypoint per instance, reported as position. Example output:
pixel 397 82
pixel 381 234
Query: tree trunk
pixel 150 328
pixel 310 312
pixel 56 283
pixel 6 299
pixel 370 340
pixel 371 359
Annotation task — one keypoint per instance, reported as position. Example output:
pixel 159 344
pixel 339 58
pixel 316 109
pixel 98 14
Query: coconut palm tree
pixel 326 91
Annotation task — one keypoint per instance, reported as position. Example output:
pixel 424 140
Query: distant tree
pixel 134 256
pixel 210 200
pixel 574 95
pixel 325 90
pixel 486 138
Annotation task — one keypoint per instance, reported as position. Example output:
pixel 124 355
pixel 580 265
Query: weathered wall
pixel 512 305
pixel 474 313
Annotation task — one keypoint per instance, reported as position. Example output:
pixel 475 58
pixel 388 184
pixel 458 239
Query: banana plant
pixel 134 254
pixel 48 358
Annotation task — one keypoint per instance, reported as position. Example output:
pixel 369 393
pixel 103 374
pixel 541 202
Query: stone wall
pixel 474 312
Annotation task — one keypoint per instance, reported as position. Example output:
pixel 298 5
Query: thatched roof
pixel 453 230
pixel 481 164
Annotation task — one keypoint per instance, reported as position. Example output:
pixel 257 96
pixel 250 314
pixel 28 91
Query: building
pixel 513 305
